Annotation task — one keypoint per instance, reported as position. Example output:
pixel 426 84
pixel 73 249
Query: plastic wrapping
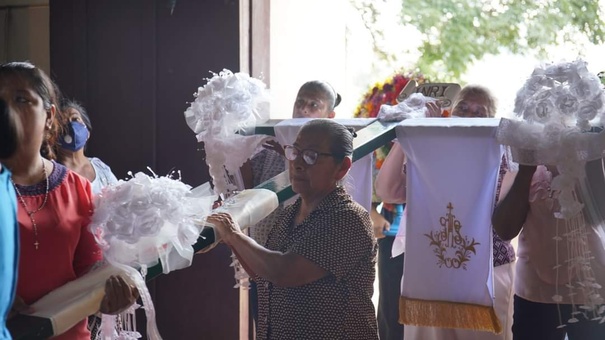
pixel 413 106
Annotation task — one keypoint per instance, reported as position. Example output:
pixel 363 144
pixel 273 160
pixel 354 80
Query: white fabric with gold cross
pixel 452 172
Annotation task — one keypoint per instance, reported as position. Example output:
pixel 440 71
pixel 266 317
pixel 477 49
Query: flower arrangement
pixel 555 111
pixel 147 219
pixel 385 92
pixel 560 111
pixel 227 104
pixel 142 221
pixel 564 94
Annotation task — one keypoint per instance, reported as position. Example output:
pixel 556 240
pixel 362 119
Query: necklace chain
pixel 31 213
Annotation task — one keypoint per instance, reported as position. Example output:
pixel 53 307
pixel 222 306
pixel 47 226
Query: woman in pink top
pixel 54 203
pixel 542 275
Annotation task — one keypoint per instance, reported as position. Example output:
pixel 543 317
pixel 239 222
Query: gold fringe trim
pixel 446 314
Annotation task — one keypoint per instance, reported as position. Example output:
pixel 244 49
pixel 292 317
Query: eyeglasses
pixel 309 156
pixel 466 110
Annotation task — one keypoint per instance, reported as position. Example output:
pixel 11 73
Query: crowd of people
pixel 312 262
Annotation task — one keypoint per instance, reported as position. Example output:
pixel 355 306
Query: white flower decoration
pixel 227 104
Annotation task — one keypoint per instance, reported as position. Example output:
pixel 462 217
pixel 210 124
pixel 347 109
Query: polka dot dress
pixel 337 236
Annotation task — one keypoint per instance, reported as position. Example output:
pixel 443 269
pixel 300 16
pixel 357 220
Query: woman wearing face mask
pixel 75 133
pixel 70 151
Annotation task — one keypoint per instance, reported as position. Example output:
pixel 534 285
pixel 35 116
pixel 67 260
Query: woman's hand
pixel 224 226
pixel 433 109
pixel 119 295
pixel 379 223
pixel 275 146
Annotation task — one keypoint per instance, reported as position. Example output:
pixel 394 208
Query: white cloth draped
pixel 452 172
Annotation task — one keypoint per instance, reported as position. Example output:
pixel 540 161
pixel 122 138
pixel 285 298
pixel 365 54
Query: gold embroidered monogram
pixel 451 247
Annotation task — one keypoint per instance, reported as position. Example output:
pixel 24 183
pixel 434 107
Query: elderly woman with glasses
pixel 315 272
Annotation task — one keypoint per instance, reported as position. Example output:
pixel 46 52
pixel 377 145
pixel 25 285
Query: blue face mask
pixel 76 137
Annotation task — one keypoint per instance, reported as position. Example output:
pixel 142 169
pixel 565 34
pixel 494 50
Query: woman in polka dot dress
pixel 315 272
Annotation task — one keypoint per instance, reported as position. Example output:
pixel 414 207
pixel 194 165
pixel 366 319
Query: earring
pixel 49 119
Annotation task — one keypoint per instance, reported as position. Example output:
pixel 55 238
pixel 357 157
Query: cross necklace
pixel 31 213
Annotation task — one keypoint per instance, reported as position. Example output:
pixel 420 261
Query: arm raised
pixel 510 213
pixel 390 181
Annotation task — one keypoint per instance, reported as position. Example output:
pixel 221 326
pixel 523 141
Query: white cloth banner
pixel 452 173
pixel 359 185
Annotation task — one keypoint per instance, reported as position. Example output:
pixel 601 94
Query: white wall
pixel 307 42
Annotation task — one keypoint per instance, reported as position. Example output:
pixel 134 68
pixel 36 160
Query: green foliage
pixel 456 33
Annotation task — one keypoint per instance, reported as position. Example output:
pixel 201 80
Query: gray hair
pixel 340 137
